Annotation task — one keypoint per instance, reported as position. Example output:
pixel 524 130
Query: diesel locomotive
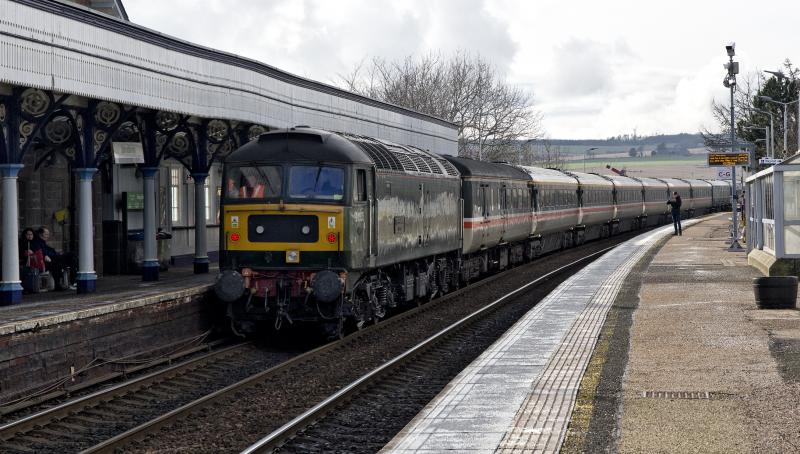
pixel 333 228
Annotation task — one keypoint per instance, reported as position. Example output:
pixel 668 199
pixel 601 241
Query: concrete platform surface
pixel 517 397
pixel 708 371
pixel 114 293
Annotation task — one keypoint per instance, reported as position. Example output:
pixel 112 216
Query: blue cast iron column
pixel 10 287
pixel 150 264
pixel 200 232
pixel 87 278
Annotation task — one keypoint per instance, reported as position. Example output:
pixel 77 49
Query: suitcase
pixel 30 279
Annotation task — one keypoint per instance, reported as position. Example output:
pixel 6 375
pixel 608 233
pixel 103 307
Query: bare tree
pixel 492 115
pixel 540 153
pixel 747 105
pixel 721 111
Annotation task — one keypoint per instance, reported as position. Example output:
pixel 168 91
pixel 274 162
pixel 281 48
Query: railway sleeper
pixel 13 447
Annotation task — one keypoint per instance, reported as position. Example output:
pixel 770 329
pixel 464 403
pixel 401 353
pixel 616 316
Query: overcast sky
pixel 595 68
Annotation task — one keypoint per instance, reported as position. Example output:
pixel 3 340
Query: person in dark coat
pixel 29 255
pixel 675 202
pixel 60 266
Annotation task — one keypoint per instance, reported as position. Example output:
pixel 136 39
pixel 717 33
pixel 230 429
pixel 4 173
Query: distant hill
pixel 689 140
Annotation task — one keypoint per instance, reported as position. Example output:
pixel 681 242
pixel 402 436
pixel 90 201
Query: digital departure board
pixel 728 159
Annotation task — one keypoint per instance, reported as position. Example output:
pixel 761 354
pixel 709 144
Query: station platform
pixel 113 293
pixel 61 337
pixel 657 346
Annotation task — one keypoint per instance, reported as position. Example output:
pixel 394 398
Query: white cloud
pixel 596 68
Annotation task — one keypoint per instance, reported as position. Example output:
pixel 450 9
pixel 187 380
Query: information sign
pixel 135 201
pixel 728 159
pixel 723 173
pixel 769 161
pixel 128 152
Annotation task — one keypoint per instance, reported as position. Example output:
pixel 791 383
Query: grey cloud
pixel 582 68
pixel 468 25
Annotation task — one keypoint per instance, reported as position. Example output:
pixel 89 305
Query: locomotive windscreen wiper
pixel 264 177
pixel 316 179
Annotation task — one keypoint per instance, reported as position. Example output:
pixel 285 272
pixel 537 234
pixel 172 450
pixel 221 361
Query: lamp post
pixel 779 75
pixel 771 137
pixel 730 82
pixel 785 119
pixel 766 134
pixel 584 157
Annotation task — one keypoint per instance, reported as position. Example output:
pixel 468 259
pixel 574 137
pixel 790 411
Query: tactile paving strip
pixel 516 398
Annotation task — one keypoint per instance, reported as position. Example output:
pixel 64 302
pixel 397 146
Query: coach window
pixel 361 185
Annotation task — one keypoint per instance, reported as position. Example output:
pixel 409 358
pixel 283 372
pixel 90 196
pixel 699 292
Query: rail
pixel 279 436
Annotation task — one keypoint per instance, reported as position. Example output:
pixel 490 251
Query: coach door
pixel 425 214
pixel 360 219
pixel 485 193
pixel 372 216
pixel 504 206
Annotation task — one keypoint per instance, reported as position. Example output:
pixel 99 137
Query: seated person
pixel 60 266
pixel 27 255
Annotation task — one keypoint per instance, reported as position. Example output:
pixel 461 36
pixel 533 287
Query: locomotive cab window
pixel 253 182
pixel 316 182
pixel 361 185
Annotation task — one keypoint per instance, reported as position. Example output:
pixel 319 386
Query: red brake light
pixel 234 236
pixel 331 237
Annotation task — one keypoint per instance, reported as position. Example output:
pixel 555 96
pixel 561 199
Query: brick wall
pixel 32 359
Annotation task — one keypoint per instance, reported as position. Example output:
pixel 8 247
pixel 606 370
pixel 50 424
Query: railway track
pixel 80 423
pixel 35 400
pixel 233 418
pixel 432 353
pixel 203 409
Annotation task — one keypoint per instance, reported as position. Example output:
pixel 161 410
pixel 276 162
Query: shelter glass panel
pixel 791 239
pixel 791 199
pixel 769 236
pixel 769 206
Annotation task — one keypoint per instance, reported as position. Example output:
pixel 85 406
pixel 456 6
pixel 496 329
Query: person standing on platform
pixel 675 203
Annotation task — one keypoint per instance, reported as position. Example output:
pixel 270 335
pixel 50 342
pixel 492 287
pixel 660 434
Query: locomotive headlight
pixel 292 256
pixel 306 230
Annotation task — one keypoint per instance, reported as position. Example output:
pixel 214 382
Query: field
pixel 694 166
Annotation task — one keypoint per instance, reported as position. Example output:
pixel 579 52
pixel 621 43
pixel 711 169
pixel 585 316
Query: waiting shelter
pixel 773 219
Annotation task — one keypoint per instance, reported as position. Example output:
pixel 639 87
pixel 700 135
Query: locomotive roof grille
pixel 382 157
pixel 448 167
pixel 421 164
pixel 390 156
